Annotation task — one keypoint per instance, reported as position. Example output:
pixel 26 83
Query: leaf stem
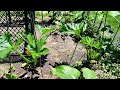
pixel 24 58
pixel 73 52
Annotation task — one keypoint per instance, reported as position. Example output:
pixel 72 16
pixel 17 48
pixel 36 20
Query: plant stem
pixel 73 52
pixel 95 19
pixel 10 67
pixel 115 35
pixel 24 58
pixel 31 75
pixel 42 15
pixel 41 68
pixel 105 20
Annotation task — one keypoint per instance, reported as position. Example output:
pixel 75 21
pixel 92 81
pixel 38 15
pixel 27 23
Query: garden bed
pixel 68 43
pixel 59 51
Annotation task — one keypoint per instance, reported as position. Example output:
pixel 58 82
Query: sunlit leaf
pixel 66 72
pixel 44 51
pixel 114 13
pixel 88 74
pixel 44 30
pixel 5 48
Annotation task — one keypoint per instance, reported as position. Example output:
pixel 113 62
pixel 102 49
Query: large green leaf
pixel 6 37
pixel 98 45
pixel 113 19
pixel 40 42
pixel 30 40
pixel 91 42
pixel 88 74
pixel 44 30
pixel 5 49
pixel 66 72
pixel 38 27
pixel 44 51
pixel 19 41
pixel 72 28
pixel 87 41
pixel 38 50
pixel 38 54
pixel 114 13
pixel 4 52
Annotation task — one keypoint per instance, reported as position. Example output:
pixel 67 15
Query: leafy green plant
pixel 68 72
pixel 97 36
pixel 73 28
pixel 6 45
pixel 88 41
pixel 35 45
pixel 10 74
pixel 98 29
pixel 92 47
pixel 92 54
pixel 34 48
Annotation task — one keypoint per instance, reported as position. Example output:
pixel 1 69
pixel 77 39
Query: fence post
pixel 32 16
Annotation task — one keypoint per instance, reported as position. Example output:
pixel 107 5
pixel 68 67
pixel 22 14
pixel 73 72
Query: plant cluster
pixel 95 30
pixel 34 49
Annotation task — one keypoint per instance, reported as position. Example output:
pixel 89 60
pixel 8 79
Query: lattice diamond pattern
pixel 14 27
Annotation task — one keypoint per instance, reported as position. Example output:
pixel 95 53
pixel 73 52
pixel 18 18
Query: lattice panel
pixel 13 22
pixel 14 35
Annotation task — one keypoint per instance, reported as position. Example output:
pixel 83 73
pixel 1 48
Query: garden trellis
pixel 15 22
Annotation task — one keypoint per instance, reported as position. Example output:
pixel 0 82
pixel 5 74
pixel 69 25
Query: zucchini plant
pixel 34 49
pixel 92 48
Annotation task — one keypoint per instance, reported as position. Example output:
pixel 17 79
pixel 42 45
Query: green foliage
pixel 12 67
pixel 11 76
pixel 35 46
pixel 88 74
pixel 44 31
pixel 90 44
pixel 6 45
pixel 96 38
pixel 85 25
pixel 67 72
pixel 113 19
pixel 87 41
pixel 92 54
pixel 72 28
